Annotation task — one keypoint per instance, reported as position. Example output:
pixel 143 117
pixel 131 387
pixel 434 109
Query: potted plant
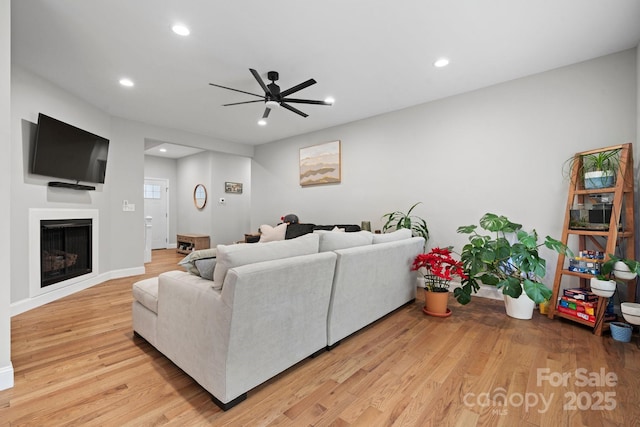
pixel 439 269
pixel 396 220
pixel 597 169
pixel 508 259
pixel 622 269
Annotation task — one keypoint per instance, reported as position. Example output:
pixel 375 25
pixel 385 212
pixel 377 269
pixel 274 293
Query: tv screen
pixel 65 151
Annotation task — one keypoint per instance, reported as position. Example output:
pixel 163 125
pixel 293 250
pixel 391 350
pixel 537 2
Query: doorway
pixel 156 206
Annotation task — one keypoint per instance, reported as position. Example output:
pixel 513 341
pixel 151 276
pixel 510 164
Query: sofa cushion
pixel 272 234
pixel 188 262
pixel 401 234
pixel 230 256
pixel 146 293
pixel 331 241
pixel 205 267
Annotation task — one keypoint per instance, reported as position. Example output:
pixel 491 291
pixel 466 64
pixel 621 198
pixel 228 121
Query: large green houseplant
pixel 397 220
pixel 508 259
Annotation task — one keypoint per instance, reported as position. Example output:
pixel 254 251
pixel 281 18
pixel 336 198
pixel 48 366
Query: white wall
pixel 6 369
pixel 224 223
pixel 121 234
pixel 499 149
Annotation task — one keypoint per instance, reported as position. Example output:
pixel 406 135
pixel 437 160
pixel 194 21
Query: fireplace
pixel 65 249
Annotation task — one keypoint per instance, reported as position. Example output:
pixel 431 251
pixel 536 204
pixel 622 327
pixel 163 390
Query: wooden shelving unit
pixel 618 238
pixel 187 243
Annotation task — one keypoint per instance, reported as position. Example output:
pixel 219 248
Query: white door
pixel 156 205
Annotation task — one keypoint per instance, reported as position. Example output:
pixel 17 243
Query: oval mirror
pixel 200 196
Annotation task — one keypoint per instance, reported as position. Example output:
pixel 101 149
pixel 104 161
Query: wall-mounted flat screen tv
pixel 65 151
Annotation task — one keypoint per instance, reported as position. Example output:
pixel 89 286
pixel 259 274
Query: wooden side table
pixel 187 243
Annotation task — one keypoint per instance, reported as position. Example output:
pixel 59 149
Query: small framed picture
pixel 233 187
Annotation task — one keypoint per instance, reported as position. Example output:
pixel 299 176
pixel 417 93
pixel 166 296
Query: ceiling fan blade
pixel 260 81
pixel 298 87
pixel 236 90
pixel 306 101
pixel 245 102
pixel 295 110
pixel 266 112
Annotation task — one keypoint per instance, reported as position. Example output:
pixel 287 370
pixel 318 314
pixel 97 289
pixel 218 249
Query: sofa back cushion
pixel 230 256
pixel 334 240
pixel 401 234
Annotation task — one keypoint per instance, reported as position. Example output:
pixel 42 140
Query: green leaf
pixel 511 286
pixel 537 291
pixel 467 229
pixel 489 279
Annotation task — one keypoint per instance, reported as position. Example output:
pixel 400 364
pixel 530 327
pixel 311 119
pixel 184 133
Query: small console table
pixel 187 243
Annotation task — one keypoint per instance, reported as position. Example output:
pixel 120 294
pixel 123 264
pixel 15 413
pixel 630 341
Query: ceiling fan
pixel 274 97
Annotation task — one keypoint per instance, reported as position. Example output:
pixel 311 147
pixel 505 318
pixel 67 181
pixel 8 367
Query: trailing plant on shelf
pixel 397 220
pixel 512 267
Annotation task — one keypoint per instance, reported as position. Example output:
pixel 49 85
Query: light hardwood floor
pixel 77 362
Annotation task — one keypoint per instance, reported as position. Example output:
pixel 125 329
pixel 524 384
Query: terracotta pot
pixel 435 303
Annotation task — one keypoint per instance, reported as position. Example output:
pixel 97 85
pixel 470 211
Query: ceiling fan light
pixel 271 104
pixel 329 100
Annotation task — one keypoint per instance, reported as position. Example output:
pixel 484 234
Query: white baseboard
pixel 31 303
pixel 6 376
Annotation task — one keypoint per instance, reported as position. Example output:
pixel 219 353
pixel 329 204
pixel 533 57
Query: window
pixel 151 191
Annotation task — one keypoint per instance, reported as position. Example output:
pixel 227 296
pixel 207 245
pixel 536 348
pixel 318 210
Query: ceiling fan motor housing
pixel 273 76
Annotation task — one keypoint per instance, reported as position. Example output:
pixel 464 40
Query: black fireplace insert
pixel 65 249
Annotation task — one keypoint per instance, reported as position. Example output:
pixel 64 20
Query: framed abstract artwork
pixel 320 164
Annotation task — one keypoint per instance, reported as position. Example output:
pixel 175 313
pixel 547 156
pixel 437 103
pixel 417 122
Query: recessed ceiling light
pixel 442 62
pixel 126 82
pixel 329 100
pixel 163 150
pixel 181 30
pixel 262 122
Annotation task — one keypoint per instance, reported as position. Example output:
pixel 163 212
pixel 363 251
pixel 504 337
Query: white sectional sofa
pixel 271 305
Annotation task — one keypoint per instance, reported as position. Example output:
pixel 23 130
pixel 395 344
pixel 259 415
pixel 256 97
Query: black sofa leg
pixel 230 404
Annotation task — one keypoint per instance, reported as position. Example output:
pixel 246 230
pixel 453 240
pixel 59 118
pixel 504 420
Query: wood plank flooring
pixel 77 362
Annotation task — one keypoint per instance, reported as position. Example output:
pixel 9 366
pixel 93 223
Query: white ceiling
pixel 372 56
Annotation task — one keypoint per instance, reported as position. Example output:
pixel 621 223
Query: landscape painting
pixel 320 164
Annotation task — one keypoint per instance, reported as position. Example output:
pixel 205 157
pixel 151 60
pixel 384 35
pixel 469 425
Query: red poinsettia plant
pixel 440 268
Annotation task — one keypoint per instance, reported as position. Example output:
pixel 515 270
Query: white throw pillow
pixel 333 241
pixel 401 234
pixel 272 234
pixel 230 256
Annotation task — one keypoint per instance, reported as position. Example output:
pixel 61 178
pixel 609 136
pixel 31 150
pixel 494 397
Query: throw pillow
pixel 272 234
pixel 332 241
pixel 205 267
pixel 230 256
pixel 188 262
pixel 401 234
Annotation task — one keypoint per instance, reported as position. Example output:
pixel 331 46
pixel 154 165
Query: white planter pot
pixel 598 179
pixel 519 308
pixel 623 272
pixel 603 288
